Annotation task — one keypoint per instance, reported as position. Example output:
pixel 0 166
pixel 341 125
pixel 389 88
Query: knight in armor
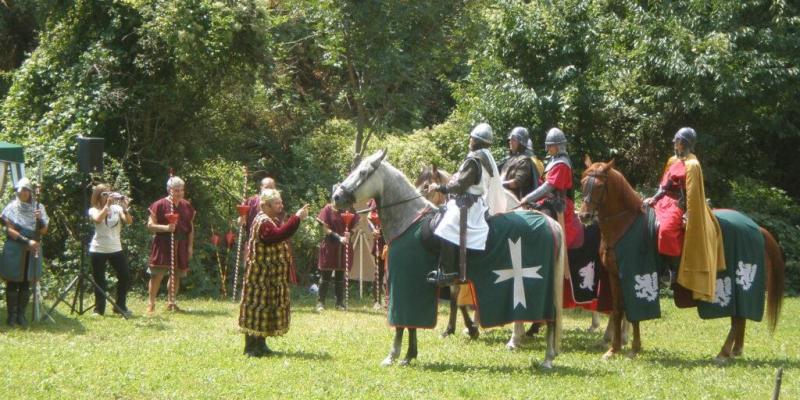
pixel 25 222
pixel 555 193
pixel 474 192
pixel 519 174
pixel 687 228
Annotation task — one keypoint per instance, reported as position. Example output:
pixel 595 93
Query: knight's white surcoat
pixel 491 199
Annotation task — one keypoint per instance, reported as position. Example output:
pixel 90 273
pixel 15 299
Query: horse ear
pixel 587 161
pixel 381 156
pixel 609 165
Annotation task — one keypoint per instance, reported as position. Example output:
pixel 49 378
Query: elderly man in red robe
pixel 168 251
pixel 265 308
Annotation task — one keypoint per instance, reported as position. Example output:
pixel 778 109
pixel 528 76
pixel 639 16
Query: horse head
pixel 432 174
pixel 361 183
pixel 594 186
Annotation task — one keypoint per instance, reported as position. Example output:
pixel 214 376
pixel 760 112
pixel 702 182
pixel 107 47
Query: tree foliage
pixel 294 89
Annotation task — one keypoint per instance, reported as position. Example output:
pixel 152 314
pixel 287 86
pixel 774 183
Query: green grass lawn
pixel 336 355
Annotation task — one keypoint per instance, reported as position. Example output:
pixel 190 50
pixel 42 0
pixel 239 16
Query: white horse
pixel 399 205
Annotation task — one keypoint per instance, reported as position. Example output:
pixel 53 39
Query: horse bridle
pixel 590 189
pixel 350 194
pixel 595 205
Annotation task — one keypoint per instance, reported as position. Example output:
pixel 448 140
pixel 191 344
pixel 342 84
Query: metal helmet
pixel 482 132
pixel 687 135
pixel 555 136
pixel 520 134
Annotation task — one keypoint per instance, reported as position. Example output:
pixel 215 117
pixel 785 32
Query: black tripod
pixel 82 275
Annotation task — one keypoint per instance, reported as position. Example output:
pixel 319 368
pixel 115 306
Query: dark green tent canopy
pixel 11 152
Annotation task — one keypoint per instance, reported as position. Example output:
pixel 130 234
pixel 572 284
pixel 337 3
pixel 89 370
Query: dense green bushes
pixel 291 89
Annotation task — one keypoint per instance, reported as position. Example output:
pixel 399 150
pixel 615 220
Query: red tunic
pixel 379 242
pixel 160 249
pixel 668 211
pixel 560 177
pixel 331 251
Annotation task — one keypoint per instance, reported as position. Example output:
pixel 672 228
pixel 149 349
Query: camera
pixel 116 196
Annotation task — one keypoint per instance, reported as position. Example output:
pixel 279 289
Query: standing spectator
pixel 108 212
pixel 161 252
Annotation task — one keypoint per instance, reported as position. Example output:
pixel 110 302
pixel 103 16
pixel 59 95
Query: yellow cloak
pixel 703 254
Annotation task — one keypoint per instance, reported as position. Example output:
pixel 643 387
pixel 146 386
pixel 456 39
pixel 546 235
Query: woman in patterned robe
pixel 265 304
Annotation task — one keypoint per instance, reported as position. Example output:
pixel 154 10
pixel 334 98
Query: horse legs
pixel 636 347
pixel 451 322
pixel 411 354
pixel 625 327
pixel 516 336
pixel 472 326
pixel 733 342
pixel 396 344
pixel 550 353
pixel 615 320
pixel 595 322
pixel 738 338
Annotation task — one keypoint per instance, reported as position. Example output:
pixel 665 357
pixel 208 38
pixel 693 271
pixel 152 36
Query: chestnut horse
pixel 609 197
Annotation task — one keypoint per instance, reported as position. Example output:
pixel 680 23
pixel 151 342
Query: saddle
pixel 431 220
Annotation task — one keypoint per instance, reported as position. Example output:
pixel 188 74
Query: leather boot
pixel 445 274
pixel 323 290
pixel 11 305
pixel 23 299
pixel 338 289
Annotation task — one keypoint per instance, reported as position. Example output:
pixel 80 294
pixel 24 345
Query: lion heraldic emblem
pixel 723 291
pixel 745 275
pixel 587 273
pixel 647 286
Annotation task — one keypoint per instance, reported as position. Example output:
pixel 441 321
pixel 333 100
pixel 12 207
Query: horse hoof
pixel 406 362
pixel 609 355
pixel 511 346
pixel 447 333
pixel 547 364
pixel 473 333
pixel 388 361
pixel 736 353
pixel 633 354
pixel 721 360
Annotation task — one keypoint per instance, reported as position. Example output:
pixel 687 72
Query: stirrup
pixel 441 279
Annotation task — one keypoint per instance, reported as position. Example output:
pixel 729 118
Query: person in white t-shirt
pixel 108 212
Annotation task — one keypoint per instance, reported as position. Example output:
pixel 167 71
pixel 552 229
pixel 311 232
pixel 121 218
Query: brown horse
pixel 609 196
pixel 432 174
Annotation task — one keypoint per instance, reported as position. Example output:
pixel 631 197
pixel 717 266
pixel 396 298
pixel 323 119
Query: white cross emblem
pixel 517 272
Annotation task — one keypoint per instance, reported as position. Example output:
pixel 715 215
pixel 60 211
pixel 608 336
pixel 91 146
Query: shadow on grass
pixel 204 313
pixel 507 369
pixel 303 355
pixel 61 324
pixel 676 360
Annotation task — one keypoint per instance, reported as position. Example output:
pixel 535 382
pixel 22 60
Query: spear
pixel 222 276
pixel 172 218
pixel 243 210
pixel 347 217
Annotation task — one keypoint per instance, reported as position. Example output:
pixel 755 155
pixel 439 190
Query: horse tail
pixel 775 278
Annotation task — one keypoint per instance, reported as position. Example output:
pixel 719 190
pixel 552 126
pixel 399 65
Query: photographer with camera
pixel 108 212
